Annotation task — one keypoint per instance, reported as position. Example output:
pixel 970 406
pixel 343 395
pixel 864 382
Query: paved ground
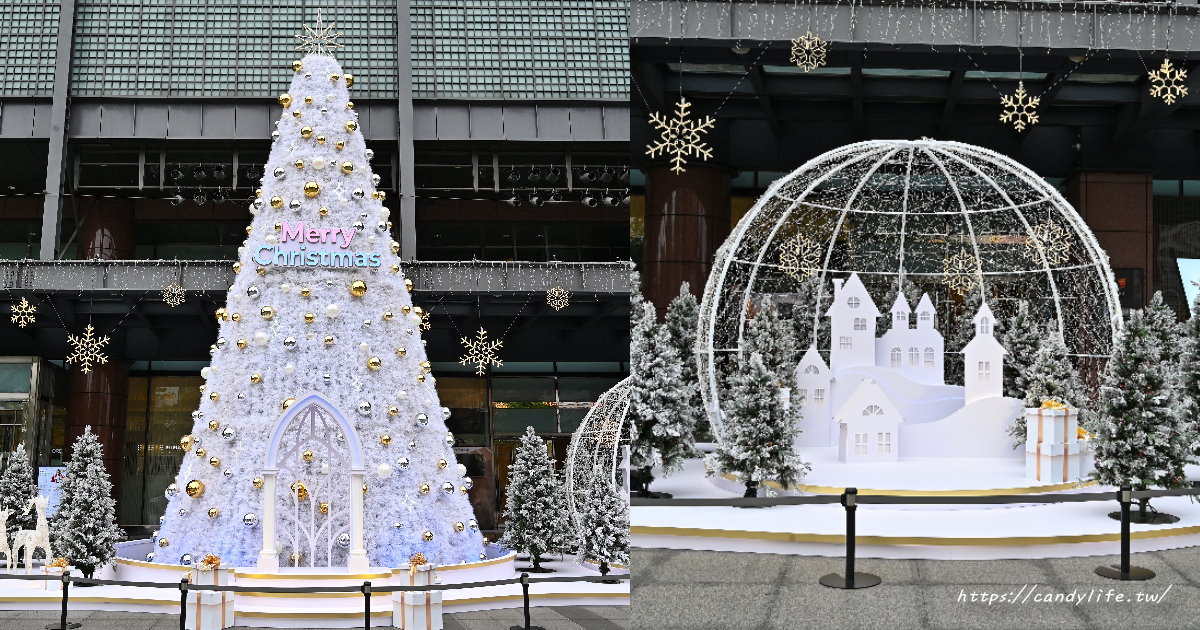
pixel 550 618
pixel 736 591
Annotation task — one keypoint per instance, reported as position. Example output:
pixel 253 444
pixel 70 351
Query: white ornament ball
pixel 383 470
pixel 343 540
pixel 261 338
pixel 285 287
pixel 333 310
pixel 271 239
pixel 462 470
pixel 325 468
pixel 363 346
pixel 402 395
pixel 318 163
pixel 289 368
pixel 204 373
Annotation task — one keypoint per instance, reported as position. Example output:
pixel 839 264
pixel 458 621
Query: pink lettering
pixel 292 232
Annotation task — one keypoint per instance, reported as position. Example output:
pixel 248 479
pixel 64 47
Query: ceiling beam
pixel 754 73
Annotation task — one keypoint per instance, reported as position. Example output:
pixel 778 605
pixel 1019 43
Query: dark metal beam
pixel 648 82
pixel 56 160
pixel 754 73
pixel 953 92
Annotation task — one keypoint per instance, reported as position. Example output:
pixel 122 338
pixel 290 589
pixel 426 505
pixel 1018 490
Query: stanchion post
pixel 853 579
pixel 183 590
pixel 62 619
pixel 366 591
pixel 525 597
pixel 1125 571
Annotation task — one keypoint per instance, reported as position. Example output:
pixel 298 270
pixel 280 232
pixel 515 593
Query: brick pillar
pixel 687 218
pixel 1119 209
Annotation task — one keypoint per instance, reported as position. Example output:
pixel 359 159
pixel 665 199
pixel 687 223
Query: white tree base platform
pixel 334 610
pixel 928 531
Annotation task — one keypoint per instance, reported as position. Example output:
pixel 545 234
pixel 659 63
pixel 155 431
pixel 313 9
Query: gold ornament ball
pixel 424 488
pixel 201 452
pixel 427 536
pixel 300 490
pixel 257 482
pixel 287 402
pixel 285 100
pixel 385 439
pixel 323 507
pixel 164 542
pixel 298 163
pixel 305 292
pixel 394 268
pixel 374 363
pixel 442 463
pixel 358 288
pixel 462 489
pixel 256 378
pixel 306 132
pixel 349 104
pixel 340 144
pixel 458 526
pixel 310 318
pixel 258 193
pixel 395 247
pixel 221 313
pixel 323 211
pixel 408 284
pixel 351 125
pixel 349 79
pixel 320 139
pixel 214 461
pixel 311 189
pixel 262 271
pixel 237 317
pixel 267 312
pixel 242 343
pixel 213 425
pixel 278 226
pixel 329 340
pixel 308 100
pixel 406 309
pixel 427 366
pixel 249 229
pixel 195 488
pixel 296 113
pixel 420 378
pixel 347 167
pixel 387 316
pixel 276 202
pixel 297 66
pixel 401 352
pixel 334 77
pixel 393 410
pixel 185 442
pixel 214 512
pixel 418 310
pixel 237 266
pixel 214 396
pixel 365 489
pixel 307 455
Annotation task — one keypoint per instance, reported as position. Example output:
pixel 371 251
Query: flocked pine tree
pixel 1187 409
pixel 1139 441
pixel 773 338
pixel 603 526
pixel 535 512
pixel 642 326
pixel 663 429
pixel 682 318
pixel 1052 376
pixel 84 529
pixel 757 437
pixel 319 312
pixel 16 489
pixel 1022 336
pixel 1163 324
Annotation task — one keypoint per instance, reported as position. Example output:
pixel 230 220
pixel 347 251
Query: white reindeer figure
pixel 30 540
pixel 4 548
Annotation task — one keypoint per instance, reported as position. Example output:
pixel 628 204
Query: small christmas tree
pixel 85 529
pixel 662 422
pixel 534 510
pixel 1163 324
pixel 16 489
pixel 1022 336
pixel 774 339
pixel 683 316
pixel 1051 377
pixel 1140 441
pixel 603 526
pixel 759 432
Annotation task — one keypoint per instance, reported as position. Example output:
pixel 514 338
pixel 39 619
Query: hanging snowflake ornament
pixel 87 349
pixel 1020 108
pixel 680 137
pixel 959 272
pixel 173 295
pixel 425 324
pixel 1168 82
pixel 23 313
pixel 481 352
pixel 558 298
pixel 799 257
pixel 1048 241
pixel 808 52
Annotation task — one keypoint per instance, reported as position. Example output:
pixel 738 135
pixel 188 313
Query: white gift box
pixel 1050 425
pixel 55 585
pixel 209 610
pixel 417 611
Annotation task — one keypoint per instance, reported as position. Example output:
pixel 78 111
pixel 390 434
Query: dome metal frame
pixel 594 453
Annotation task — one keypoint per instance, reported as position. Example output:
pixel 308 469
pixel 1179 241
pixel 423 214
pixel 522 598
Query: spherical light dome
pixel 958 222
pixel 595 450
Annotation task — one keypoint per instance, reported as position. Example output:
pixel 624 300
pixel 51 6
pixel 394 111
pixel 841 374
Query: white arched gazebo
pixel 956 221
pixel 332 487
pixel 595 452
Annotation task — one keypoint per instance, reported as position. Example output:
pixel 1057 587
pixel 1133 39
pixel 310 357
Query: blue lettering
pixel 261 249
pixel 374 259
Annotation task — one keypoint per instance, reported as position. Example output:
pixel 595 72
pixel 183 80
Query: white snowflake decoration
pixel 1020 109
pixel 799 257
pixel 481 352
pixel 173 295
pixel 87 349
pixel 1168 83
pixel 680 137
pixel 319 39
pixel 808 51
pixel 24 313
pixel 558 298
pixel 959 272
pixel 1048 240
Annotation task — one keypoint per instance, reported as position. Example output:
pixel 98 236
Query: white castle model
pixel 883 397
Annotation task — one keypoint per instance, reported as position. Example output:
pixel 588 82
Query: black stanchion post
pixel 183 589
pixel 852 580
pixel 525 596
pixel 1124 571
pixel 366 591
pixel 62 619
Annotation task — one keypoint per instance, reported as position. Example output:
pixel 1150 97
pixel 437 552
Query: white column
pixel 268 556
pixel 358 562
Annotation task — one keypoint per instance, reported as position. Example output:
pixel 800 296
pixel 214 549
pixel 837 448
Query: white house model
pixel 882 397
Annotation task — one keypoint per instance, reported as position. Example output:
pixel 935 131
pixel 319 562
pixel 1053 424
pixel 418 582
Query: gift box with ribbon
pixel 1052 446
pixel 210 610
pixel 417 610
pixel 56 567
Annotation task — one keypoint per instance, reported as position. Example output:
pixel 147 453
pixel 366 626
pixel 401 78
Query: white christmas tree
pixel 319 311
pixel 16 489
pixel 663 429
pixel 1022 336
pixel 535 513
pixel 1052 376
pixel 603 526
pixel 759 431
pixel 1139 441
pixel 85 529
pixel 683 316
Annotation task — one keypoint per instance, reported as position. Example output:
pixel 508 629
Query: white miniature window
pixel 885 443
pixel 914 356
pixel 985 371
pixel 860 323
pixel 924 316
pixel 896 357
pixel 901 318
pixel 928 357
pixel 860 443
pixel 803 397
pixel 812 369
pixel 818 396
pixel 853 302
pixel 873 410
pixel 845 343
pixel 985 326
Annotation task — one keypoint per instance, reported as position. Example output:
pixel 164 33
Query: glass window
pixel 159 412
pixel 860 323
pixel 853 302
pixel 467 400
pixel 914 356
pixel 845 343
pixel 519 402
pixel 896 357
pixel 928 357
pixel 818 396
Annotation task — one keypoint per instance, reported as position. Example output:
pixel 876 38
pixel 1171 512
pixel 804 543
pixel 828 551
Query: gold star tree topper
pixel 319 39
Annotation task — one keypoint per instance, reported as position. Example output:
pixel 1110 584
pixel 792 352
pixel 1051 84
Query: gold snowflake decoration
pixel 319 39
pixel 23 313
pixel 87 349
pixel 1048 241
pixel 481 352
pixel 960 271
pixel 680 137
pixel 1020 108
pixel 799 257
pixel 558 298
pixel 1168 83
pixel 174 295
pixel 808 52
pixel 425 324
